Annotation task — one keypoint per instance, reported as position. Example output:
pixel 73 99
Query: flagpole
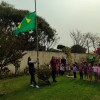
pixel 37 38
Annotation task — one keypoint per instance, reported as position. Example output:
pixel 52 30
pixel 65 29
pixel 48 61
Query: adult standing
pixel 32 72
pixel 53 68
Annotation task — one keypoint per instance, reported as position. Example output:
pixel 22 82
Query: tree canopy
pixel 10 49
pixel 78 49
pixel 11 17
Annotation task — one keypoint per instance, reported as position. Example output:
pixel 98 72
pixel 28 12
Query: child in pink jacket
pixel 98 71
pixel 90 71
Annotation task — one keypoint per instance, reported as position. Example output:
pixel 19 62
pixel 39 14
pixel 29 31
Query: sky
pixel 65 15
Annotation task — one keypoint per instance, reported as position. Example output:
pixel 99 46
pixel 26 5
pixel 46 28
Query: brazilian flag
pixel 27 24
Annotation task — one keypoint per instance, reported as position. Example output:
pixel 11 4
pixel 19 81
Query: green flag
pixel 27 24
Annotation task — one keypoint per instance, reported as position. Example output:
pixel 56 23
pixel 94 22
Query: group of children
pixel 87 70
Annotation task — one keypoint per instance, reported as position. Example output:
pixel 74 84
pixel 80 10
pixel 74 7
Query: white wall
pixel 45 57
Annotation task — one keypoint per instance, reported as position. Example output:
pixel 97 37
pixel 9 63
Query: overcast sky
pixel 65 15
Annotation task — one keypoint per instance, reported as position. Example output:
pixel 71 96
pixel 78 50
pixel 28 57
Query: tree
pixel 78 49
pixel 11 17
pixel 46 35
pixel 95 39
pixel 10 50
pixel 67 51
pixel 85 40
pixel 80 38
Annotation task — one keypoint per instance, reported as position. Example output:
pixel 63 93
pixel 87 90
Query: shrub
pixel 4 73
pixel 78 49
pixel 44 74
pixel 26 70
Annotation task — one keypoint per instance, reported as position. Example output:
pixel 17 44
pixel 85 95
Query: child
pixel 95 69
pixel 81 71
pixel 98 71
pixel 90 71
pixel 69 69
pixel 62 69
pixel 74 70
pixel 85 71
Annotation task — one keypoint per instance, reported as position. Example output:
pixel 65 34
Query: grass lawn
pixel 64 89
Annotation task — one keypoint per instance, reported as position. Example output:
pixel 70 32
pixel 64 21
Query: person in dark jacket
pixel 81 68
pixel 32 72
pixel 53 68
